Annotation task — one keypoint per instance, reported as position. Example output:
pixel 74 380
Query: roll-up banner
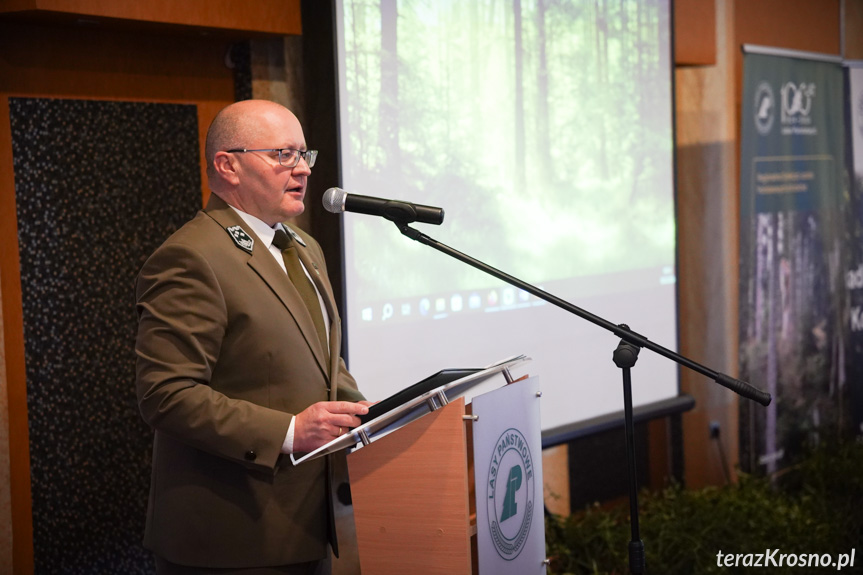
pixel 794 254
pixel 854 273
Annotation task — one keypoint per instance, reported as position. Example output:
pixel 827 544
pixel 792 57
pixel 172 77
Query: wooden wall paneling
pixel 853 49
pixel 707 249
pixel 694 32
pixel 273 17
pixel 810 25
pixel 73 62
pixel 21 539
pixel 555 476
pixel 5 491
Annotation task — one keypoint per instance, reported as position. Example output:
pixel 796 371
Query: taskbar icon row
pixel 437 307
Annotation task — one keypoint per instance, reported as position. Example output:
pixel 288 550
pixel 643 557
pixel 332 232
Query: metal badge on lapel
pixel 296 236
pixel 241 238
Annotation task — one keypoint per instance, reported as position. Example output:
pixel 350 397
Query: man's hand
pixel 322 422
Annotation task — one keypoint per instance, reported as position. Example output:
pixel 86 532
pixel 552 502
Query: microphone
pixel 336 201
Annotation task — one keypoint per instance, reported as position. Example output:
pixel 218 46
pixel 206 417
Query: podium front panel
pixel 507 460
pixel 410 497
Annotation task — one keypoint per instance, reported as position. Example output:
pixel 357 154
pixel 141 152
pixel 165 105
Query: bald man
pixel 238 364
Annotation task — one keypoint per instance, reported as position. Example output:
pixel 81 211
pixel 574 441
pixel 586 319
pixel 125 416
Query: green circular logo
pixel 510 493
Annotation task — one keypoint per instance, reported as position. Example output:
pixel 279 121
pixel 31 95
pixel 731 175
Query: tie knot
pixel 281 240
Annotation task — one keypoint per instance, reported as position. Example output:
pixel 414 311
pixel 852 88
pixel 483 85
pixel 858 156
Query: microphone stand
pixel 624 357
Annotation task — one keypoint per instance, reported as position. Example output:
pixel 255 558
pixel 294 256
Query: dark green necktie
pixel 301 281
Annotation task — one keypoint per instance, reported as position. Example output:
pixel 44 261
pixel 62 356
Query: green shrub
pixel 815 507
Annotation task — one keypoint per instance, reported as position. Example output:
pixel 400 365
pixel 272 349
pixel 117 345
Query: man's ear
pixel 227 167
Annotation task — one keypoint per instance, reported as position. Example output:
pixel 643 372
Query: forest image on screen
pixel 544 130
pixel 541 119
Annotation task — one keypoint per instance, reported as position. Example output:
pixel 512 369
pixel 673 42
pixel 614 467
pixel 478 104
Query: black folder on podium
pixel 413 402
pixel 430 383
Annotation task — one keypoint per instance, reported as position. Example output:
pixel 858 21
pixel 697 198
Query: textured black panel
pixel 99 185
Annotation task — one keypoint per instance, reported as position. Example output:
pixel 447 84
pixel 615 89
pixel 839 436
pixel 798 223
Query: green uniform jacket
pixel 227 353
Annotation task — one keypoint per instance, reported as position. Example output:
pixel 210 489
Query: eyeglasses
pixel 287 157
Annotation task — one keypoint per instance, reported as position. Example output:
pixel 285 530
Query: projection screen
pixel 544 129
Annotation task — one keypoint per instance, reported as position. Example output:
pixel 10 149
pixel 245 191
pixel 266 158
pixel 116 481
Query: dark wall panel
pixel 599 466
pixel 98 185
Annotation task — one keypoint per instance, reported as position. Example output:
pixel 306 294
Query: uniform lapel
pixel 266 268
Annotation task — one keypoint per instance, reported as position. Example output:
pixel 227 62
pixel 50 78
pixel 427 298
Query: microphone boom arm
pixel 622 331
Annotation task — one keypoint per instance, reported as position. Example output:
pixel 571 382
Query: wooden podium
pixel 410 491
pixel 414 493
